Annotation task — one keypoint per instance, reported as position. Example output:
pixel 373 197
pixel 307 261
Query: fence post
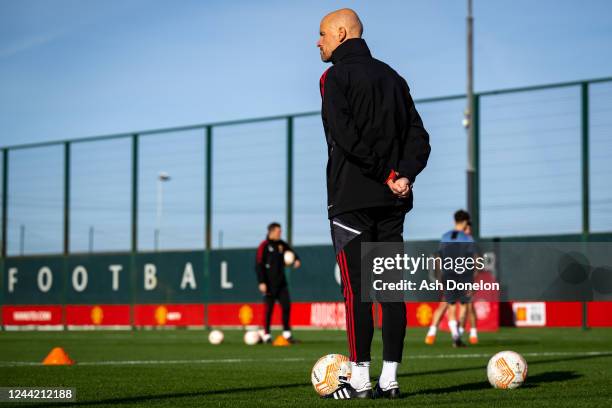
pixel 66 245
pixel 5 159
pixel 134 233
pixel 207 219
pixel 584 97
pixel 66 198
pixel 208 188
pixel 4 220
pixel 290 180
pixel 134 222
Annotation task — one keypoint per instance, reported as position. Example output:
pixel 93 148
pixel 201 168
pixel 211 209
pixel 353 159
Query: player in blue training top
pixel 455 245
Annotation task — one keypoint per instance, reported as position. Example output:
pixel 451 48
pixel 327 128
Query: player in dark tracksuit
pixel 377 145
pixel 270 268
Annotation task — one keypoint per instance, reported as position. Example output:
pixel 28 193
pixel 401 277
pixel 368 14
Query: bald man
pixel 377 145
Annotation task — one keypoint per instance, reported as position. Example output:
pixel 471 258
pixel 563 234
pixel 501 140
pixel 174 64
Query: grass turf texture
pixel 564 372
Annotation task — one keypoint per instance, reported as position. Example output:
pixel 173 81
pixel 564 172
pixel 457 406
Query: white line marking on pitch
pixel 148 362
pixel 247 360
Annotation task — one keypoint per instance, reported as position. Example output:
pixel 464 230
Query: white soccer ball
pixel 327 371
pixel 289 257
pixel 251 337
pixel 215 337
pixel 507 370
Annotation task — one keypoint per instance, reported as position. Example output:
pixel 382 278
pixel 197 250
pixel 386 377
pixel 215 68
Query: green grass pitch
pixel 170 368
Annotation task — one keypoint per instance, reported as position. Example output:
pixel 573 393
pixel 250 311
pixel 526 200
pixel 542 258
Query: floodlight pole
pixel 470 125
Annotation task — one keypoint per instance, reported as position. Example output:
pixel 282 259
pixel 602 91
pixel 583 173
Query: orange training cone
pixel 280 341
pixel 58 356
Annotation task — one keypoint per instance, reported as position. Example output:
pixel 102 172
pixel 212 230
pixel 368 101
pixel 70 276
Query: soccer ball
pixel 507 369
pixel 251 337
pixel 327 372
pixel 289 257
pixel 215 337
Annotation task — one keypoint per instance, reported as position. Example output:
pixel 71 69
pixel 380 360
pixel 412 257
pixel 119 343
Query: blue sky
pixel 75 68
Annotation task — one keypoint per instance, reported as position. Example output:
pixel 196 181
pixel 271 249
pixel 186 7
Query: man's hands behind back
pixel 400 187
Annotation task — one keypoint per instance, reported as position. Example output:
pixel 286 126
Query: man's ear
pixel 341 34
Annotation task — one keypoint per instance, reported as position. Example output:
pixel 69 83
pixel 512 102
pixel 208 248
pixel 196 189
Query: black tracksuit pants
pixel 282 295
pixel 349 230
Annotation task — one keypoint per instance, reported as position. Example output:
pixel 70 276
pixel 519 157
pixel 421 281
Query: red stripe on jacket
pixel 322 83
pixel 260 251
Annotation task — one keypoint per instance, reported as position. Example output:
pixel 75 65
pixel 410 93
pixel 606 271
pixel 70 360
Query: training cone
pixel 58 356
pixel 280 341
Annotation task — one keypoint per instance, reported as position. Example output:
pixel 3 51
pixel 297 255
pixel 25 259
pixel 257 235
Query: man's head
pixel 274 231
pixel 462 218
pixel 335 28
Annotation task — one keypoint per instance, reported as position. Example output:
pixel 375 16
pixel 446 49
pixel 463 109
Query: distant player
pixel 438 314
pixel 454 244
pixel 270 268
pixel 470 313
pixel 440 311
pixel 466 312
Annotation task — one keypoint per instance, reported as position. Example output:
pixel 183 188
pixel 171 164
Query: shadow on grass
pixel 483 367
pixel 159 397
pixel 533 381
pixel 550 376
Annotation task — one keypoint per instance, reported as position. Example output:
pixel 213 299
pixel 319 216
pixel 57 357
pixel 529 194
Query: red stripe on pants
pixel 348 296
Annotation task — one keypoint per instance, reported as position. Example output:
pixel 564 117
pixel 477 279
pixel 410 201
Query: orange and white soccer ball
pixel 327 371
pixel 289 258
pixel 215 337
pixel 507 370
pixel 251 337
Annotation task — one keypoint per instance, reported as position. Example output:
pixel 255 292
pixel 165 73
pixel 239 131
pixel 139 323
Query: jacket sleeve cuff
pixel 408 171
pixel 391 177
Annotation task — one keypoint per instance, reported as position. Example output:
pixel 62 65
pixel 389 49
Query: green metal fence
pixel 297 138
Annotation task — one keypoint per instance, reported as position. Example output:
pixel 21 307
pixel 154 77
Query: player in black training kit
pixel 377 146
pixel 270 268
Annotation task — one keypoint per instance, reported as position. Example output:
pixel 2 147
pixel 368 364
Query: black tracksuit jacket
pixel 270 263
pixel 372 128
